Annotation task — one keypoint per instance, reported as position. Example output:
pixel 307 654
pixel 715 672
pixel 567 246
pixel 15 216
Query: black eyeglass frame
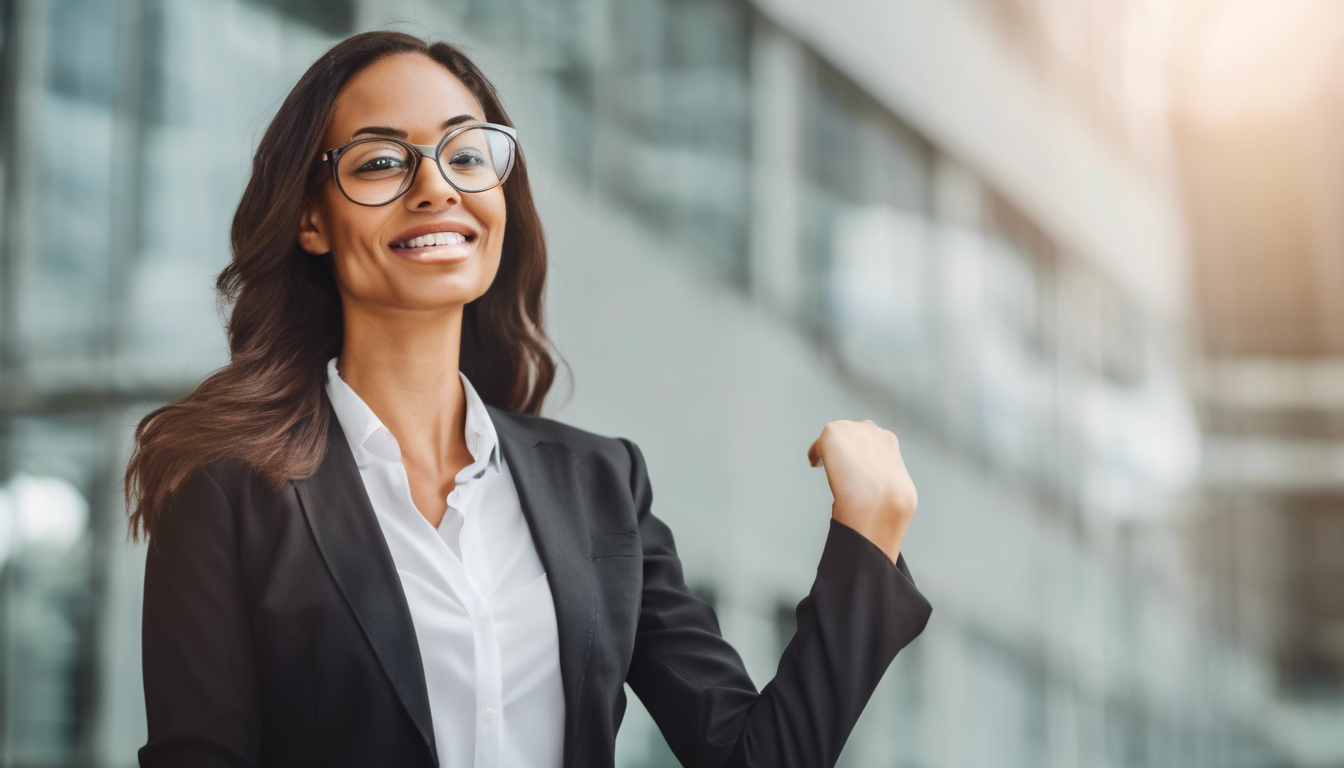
pixel 332 158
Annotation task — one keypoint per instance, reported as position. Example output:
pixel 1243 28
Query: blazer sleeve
pixel 862 609
pixel 201 698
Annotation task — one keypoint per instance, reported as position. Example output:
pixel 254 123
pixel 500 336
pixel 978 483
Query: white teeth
pixel 434 238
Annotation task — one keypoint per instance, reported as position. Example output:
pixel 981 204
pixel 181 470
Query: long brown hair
pixel 265 408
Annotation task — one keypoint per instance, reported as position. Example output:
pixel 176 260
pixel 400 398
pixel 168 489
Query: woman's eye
pixel 467 158
pixel 379 164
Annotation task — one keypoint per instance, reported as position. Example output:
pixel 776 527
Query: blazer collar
pixel 337 508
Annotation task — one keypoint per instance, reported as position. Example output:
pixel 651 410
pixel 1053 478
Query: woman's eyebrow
pixel 381 130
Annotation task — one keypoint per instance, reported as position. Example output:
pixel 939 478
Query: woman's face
pixel 412 93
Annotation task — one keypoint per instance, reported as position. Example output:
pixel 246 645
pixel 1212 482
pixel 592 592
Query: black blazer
pixel 276 632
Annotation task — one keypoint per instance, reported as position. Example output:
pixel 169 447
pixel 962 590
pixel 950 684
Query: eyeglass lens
pixel 375 172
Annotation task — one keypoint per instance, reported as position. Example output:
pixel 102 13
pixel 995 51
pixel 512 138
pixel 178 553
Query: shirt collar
pixel 367 434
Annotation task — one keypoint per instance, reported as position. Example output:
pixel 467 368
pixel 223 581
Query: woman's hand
pixel 873 492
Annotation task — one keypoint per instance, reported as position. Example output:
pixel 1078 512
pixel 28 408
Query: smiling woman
pixel 366 545
pixel 424 281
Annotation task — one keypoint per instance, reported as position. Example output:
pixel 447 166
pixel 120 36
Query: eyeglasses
pixel 375 171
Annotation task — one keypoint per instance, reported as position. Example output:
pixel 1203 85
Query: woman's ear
pixel 313 231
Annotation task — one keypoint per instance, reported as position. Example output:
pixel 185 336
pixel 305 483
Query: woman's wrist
pixel 885 533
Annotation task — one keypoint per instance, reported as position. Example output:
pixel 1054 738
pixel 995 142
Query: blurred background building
pixel 1085 257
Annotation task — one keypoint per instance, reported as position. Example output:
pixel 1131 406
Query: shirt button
pixel 489 713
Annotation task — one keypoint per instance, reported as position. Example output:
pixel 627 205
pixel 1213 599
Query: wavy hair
pixel 266 407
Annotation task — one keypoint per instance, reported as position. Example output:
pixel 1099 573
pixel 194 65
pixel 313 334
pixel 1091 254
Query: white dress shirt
pixel 479 596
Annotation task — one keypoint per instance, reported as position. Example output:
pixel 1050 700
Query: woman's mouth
pixel 439 246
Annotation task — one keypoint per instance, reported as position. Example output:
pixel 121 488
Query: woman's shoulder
pixel 237 481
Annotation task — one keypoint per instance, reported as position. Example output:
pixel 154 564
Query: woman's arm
pixel 201 697
pixel 862 609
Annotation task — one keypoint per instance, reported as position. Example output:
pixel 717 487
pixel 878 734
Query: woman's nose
pixel 430 184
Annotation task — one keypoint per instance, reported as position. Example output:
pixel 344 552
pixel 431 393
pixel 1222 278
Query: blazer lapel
pixel 545 475
pixel 351 541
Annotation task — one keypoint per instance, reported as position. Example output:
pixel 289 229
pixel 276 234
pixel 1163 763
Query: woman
pixel 361 556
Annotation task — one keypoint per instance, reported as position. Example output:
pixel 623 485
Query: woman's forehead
pixel 411 93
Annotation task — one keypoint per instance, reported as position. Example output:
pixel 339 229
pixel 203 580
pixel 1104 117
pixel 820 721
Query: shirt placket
pixel 489 666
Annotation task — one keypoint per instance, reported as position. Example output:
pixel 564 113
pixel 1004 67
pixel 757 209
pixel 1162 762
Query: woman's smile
pixel 437 248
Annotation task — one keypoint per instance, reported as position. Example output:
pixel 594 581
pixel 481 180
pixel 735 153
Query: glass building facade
pixel 128 129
